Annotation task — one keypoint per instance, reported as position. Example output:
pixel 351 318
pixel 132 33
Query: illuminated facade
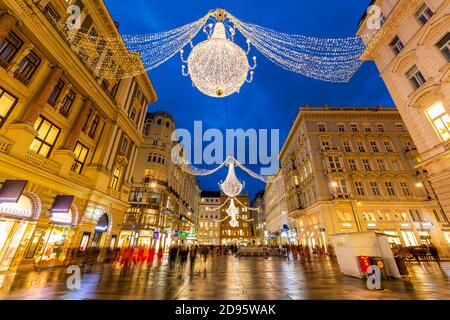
pixel 353 169
pixel 242 234
pixel 412 52
pixel 209 217
pixel 164 199
pixel 259 218
pixel 279 226
pixel 71 136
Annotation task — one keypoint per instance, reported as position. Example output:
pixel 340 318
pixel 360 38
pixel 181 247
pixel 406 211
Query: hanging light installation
pixel 232 187
pixel 233 212
pixel 217 66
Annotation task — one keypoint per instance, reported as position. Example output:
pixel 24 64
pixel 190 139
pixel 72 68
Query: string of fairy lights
pixel 326 59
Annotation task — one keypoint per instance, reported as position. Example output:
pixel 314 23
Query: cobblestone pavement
pixel 224 278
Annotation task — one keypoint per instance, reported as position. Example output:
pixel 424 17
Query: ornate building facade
pixel 68 136
pixel 258 217
pixel 164 199
pixel 279 226
pixel 354 169
pixel 242 234
pixel 412 52
pixel 209 216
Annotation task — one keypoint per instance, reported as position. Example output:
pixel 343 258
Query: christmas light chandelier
pixel 217 66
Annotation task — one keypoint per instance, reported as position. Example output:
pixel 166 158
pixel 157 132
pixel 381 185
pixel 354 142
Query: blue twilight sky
pixel 272 101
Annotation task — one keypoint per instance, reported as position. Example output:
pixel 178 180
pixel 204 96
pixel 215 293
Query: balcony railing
pixel 42 162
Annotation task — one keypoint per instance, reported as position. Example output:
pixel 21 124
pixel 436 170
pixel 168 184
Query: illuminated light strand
pixel 326 59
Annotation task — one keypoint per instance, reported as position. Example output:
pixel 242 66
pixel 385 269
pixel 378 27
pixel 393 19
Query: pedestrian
pixel 434 252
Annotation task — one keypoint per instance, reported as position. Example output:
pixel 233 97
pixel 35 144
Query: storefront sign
pixel 12 190
pixel 60 211
pixel 175 233
pixel 156 234
pixel 62 204
pixel 22 209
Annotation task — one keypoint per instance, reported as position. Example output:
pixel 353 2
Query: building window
pixel 352 164
pixel 405 189
pixel 381 165
pixel 367 165
pixel 424 14
pixel 46 138
pixel 396 166
pixel 321 127
pixel 347 146
pixel 341 188
pixel 94 126
pixel 388 146
pixel 416 216
pixel 159 122
pixel 155 142
pixel 67 103
pixel 397 45
pixel 367 128
pixel 359 189
pixel 390 188
pixel 341 128
pixel 123 145
pixel 375 189
pixel 56 92
pixel 400 127
pixel 133 113
pixel 27 67
pixel 361 147
pixel 374 146
pixel 440 120
pixel 415 77
pixel 81 153
pixel 354 127
pixel 380 127
pixel 114 184
pixel 444 46
pixel 7 103
pixel 9 48
pixel 334 163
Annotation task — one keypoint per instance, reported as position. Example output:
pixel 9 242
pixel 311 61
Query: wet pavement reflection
pixel 226 278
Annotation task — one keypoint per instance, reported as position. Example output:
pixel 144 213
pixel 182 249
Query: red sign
pixel 364 262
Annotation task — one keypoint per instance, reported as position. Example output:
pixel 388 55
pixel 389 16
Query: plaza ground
pixel 226 278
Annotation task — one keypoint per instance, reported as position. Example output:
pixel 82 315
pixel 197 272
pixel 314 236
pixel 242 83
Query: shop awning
pixel 11 190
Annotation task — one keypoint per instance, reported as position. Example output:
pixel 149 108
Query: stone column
pixel 7 22
pixel 74 134
pixel 35 108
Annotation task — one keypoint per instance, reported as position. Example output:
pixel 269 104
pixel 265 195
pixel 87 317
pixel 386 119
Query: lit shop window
pixel 46 138
pixel 440 120
pixel 7 102
pixel 81 153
